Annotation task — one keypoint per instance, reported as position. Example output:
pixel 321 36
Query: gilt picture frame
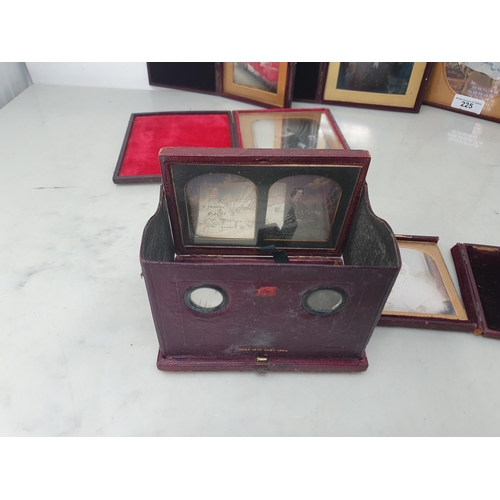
pixel 380 85
pixel 479 81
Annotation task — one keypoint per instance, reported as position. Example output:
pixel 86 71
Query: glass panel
pixel 204 299
pixel 379 77
pixel 302 208
pixel 257 75
pixel 419 287
pixel 222 206
pixel 288 130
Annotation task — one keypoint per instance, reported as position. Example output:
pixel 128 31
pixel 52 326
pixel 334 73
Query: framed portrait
pixel 396 86
pixel 233 202
pixel 466 87
pixel 423 295
pixel 289 129
pixel 266 83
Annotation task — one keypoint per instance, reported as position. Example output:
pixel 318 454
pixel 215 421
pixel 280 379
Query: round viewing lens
pixel 324 301
pixel 205 299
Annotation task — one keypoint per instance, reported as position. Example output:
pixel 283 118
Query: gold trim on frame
pixel 276 99
pixel 433 251
pixel 332 93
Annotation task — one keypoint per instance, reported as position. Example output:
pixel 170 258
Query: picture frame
pixel 424 295
pixel 466 88
pixel 389 86
pixel 232 202
pixel 313 128
pixel 266 83
pixel 263 84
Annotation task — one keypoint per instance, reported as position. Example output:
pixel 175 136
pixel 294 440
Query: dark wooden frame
pixel 320 91
pixel 229 158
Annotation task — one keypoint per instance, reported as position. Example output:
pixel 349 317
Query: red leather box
pixel 266 260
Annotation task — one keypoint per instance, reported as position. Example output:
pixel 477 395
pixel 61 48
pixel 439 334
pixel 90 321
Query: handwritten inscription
pixel 227 211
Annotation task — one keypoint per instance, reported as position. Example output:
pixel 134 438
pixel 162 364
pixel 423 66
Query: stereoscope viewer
pixel 266 260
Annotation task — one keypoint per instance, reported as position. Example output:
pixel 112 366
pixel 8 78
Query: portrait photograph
pixel 302 208
pixel 393 85
pixel 257 75
pixel 264 83
pixel 301 129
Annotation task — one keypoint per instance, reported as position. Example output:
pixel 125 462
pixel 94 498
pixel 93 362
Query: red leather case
pixel 266 319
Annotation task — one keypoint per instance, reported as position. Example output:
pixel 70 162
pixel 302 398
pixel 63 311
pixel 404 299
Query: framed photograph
pixel 289 129
pixel 466 87
pixel 396 86
pixel 266 83
pixel 423 295
pixel 233 202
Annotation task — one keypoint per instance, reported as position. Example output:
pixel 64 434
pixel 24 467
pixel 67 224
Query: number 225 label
pixel 468 104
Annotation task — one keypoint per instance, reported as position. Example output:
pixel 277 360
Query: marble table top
pixel 77 342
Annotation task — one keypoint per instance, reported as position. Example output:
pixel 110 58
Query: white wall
pixel 123 75
pixel 14 78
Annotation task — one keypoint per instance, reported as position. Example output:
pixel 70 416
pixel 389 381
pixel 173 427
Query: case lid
pixel 230 201
pixel 478 272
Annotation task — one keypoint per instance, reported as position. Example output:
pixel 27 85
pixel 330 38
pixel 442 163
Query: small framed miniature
pixel 268 84
pixel 424 295
pixel 266 261
pixel 478 271
pixel 397 86
pixel 147 133
pixel 288 129
pixel 466 87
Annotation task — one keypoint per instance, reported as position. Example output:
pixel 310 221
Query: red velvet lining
pixel 151 133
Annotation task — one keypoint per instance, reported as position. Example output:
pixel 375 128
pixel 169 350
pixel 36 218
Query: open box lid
pixel 236 201
pixel 478 272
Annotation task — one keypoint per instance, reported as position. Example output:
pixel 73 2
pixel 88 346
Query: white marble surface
pixel 77 343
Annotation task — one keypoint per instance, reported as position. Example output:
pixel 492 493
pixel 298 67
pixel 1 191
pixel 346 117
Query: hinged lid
pixel 229 201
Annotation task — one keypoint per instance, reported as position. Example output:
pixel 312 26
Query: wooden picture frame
pixel 252 83
pixel 424 295
pixel 268 84
pixel 330 182
pixel 389 86
pixel 478 81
